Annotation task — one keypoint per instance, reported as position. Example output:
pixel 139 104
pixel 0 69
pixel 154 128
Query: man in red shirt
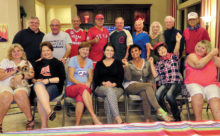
pixel 98 37
pixel 77 35
pixel 194 33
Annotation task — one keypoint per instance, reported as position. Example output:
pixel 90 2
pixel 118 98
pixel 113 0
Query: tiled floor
pixel 17 122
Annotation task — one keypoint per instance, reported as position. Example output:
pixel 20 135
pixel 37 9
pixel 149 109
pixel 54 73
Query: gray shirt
pixel 59 43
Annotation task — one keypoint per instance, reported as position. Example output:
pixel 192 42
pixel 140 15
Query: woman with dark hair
pixel 108 78
pixel 139 80
pixel 167 69
pixel 79 83
pixel 48 82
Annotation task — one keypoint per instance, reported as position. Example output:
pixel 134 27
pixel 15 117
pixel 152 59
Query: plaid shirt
pixel 168 70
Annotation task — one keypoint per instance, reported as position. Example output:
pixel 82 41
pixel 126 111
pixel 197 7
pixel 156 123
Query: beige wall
pixel 11 17
pixel 29 7
pixel 159 8
pixel 41 14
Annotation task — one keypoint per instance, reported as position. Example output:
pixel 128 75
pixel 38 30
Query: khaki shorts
pixel 9 89
pixel 208 92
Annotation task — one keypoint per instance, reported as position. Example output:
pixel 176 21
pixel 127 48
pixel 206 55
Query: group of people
pixel 109 64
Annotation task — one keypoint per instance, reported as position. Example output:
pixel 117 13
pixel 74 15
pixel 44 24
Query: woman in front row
pixel 9 76
pixel 201 79
pixel 80 79
pixel 108 78
pixel 139 80
pixel 48 82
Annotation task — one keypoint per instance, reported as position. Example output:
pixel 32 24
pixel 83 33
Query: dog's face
pixel 24 68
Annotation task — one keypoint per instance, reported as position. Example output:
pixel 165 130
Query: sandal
pixel 163 115
pixel 1 128
pixel 52 115
pixel 30 125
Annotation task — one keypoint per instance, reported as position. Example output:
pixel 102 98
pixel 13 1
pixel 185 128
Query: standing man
pixel 170 36
pixel 98 38
pixel 61 44
pixel 121 39
pixel 30 39
pixel 77 35
pixel 194 33
pixel 60 40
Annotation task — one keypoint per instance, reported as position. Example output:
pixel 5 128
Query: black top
pixel 30 41
pixel 118 39
pixel 45 69
pixel 113 73
pixel 170 39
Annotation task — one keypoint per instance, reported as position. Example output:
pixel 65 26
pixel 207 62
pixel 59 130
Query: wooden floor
pixel 17 122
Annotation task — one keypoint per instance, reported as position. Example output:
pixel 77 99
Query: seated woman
pixel 170 78
pixel 11 87
pixel 201 79
pixel 48 82
pixel 138 80
pixel 80 79
pixel 108 78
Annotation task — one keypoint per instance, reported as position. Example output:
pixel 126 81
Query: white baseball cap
pixel 192 15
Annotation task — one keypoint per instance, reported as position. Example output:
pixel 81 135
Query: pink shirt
pixel 204 76
pixel 77 37
pixel 96 52
pixel 192 37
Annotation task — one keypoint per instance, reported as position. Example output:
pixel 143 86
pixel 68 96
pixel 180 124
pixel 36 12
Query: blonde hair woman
pixel 156 36
pixel 8 76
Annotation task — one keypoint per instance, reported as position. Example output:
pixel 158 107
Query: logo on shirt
pixel 9 70
pixel 45 71
pixel 102 36
pixel 82 73
pixel 121 39
pixel 58 43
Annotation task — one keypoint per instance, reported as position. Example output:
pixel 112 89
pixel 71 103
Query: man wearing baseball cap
pixel 194 33
pixel 98 37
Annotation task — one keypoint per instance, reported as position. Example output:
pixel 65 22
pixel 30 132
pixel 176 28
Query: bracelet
pixel 48 80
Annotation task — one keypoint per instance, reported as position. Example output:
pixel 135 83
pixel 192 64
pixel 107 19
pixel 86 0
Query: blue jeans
pixel 170 92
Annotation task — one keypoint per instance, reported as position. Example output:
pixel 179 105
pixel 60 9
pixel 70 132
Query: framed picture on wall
pixel 3 33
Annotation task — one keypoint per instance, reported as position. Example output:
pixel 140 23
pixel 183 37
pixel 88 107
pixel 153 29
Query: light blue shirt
pixel 80 74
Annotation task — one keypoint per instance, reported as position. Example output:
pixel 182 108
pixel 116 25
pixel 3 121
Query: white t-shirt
pixel 59 43
pixel 8 66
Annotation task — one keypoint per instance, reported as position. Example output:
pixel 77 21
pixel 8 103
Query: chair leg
pixel 126 108
pixel 207 108
pixel 63 107
pixel 187 107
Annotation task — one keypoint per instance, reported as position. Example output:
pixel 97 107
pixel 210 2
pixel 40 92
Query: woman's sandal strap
pixel 29 126
pixel 52 115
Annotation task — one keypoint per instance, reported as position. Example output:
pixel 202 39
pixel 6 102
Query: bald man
pixel 60 40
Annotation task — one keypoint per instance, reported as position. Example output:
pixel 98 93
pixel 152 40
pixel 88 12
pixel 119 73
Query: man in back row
pixel 77 34
pixel 98 37
pixel 121 39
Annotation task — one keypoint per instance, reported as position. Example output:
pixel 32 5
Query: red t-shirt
pixel 97 48
pixel 77 37
pixel 192 37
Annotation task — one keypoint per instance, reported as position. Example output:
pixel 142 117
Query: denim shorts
pixel 51 89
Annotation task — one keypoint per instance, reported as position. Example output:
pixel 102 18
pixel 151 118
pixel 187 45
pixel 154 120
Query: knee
pixel 37 85
pixel 110 92
pixel 20 94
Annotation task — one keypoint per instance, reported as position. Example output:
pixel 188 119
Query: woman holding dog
pixel 48 82
pixel 12 87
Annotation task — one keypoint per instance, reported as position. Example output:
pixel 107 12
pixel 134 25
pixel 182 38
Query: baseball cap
pixel 99 16
pixel 192 15
pixel 157 44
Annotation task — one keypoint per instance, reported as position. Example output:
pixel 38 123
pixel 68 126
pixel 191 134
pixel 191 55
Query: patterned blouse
pixel 168 70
